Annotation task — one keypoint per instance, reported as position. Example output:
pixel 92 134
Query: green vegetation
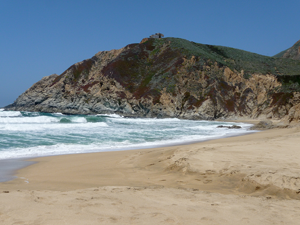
pixel 289 84
pixel 280 54
pixel 293 51
pixel 235 59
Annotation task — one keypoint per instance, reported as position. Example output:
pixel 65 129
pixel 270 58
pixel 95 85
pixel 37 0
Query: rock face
pixel 171 77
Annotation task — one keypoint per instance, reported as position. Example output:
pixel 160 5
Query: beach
pixel 250 179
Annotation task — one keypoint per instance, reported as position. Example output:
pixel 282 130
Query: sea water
pixel 34 134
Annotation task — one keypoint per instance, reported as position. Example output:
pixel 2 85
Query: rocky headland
pixel 173 77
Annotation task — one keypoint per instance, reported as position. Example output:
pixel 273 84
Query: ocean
pixel 34 134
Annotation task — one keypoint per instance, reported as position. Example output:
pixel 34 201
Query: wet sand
pixel 9 166
pixel 251 179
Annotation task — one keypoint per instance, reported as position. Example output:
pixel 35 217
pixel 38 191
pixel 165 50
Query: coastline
pixel 245 179
pixel 10 166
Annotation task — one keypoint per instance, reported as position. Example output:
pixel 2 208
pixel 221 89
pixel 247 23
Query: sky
pixel 42 37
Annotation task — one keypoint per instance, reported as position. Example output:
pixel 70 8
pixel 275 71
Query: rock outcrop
pixel 171 77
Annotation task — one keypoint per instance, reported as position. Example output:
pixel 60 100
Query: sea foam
pixel 31 134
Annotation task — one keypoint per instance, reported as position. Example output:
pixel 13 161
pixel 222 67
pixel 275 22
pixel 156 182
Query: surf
pixel 34 134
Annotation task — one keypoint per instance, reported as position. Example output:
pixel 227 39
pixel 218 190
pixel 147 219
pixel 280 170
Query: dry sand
pixel 251 179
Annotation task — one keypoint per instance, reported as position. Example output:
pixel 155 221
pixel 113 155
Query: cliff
pixel 172 77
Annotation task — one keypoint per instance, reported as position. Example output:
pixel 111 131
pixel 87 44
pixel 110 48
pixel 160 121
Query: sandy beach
pixel 251 179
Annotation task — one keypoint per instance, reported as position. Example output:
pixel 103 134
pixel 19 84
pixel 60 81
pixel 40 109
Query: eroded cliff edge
pixel 172 77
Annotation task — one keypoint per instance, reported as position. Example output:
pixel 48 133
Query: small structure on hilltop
pixel 157 35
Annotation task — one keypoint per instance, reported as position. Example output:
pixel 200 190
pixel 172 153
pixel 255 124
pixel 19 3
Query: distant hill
pixel 291 53
pixel 172 77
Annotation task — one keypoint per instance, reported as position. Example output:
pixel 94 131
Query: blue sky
pixel 42 37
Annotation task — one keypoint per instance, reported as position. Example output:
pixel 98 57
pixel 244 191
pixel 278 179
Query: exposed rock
pixel 144 40
pixel 263 125
pixel 230 127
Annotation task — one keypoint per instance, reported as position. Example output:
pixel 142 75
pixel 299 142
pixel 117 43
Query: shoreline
pixel 38 162
pixel 248 179
pixel 9 167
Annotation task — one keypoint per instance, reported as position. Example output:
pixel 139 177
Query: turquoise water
pixel 31 134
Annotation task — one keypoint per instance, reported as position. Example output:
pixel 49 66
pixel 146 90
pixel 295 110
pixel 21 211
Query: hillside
pixel 291 53
pixel 171 77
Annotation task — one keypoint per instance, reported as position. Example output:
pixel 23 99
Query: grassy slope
pixel 280 54
pixel 238 59
pixel 294 49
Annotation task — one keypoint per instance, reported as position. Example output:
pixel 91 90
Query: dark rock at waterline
pixel 230 127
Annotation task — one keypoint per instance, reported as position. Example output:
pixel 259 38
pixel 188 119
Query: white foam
pixel 10 113
pixel 57 149
pixel 110 115
pixel 39 119
pixel 147 120
pixel 57 114
pixel 28 120
pixel 116 133
pixel 50 126
pixel 78 120
pixel 212 127
pixel 60 149
pixel 31 113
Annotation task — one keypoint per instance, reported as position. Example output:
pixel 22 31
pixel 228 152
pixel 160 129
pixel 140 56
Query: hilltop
pixel 172 77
